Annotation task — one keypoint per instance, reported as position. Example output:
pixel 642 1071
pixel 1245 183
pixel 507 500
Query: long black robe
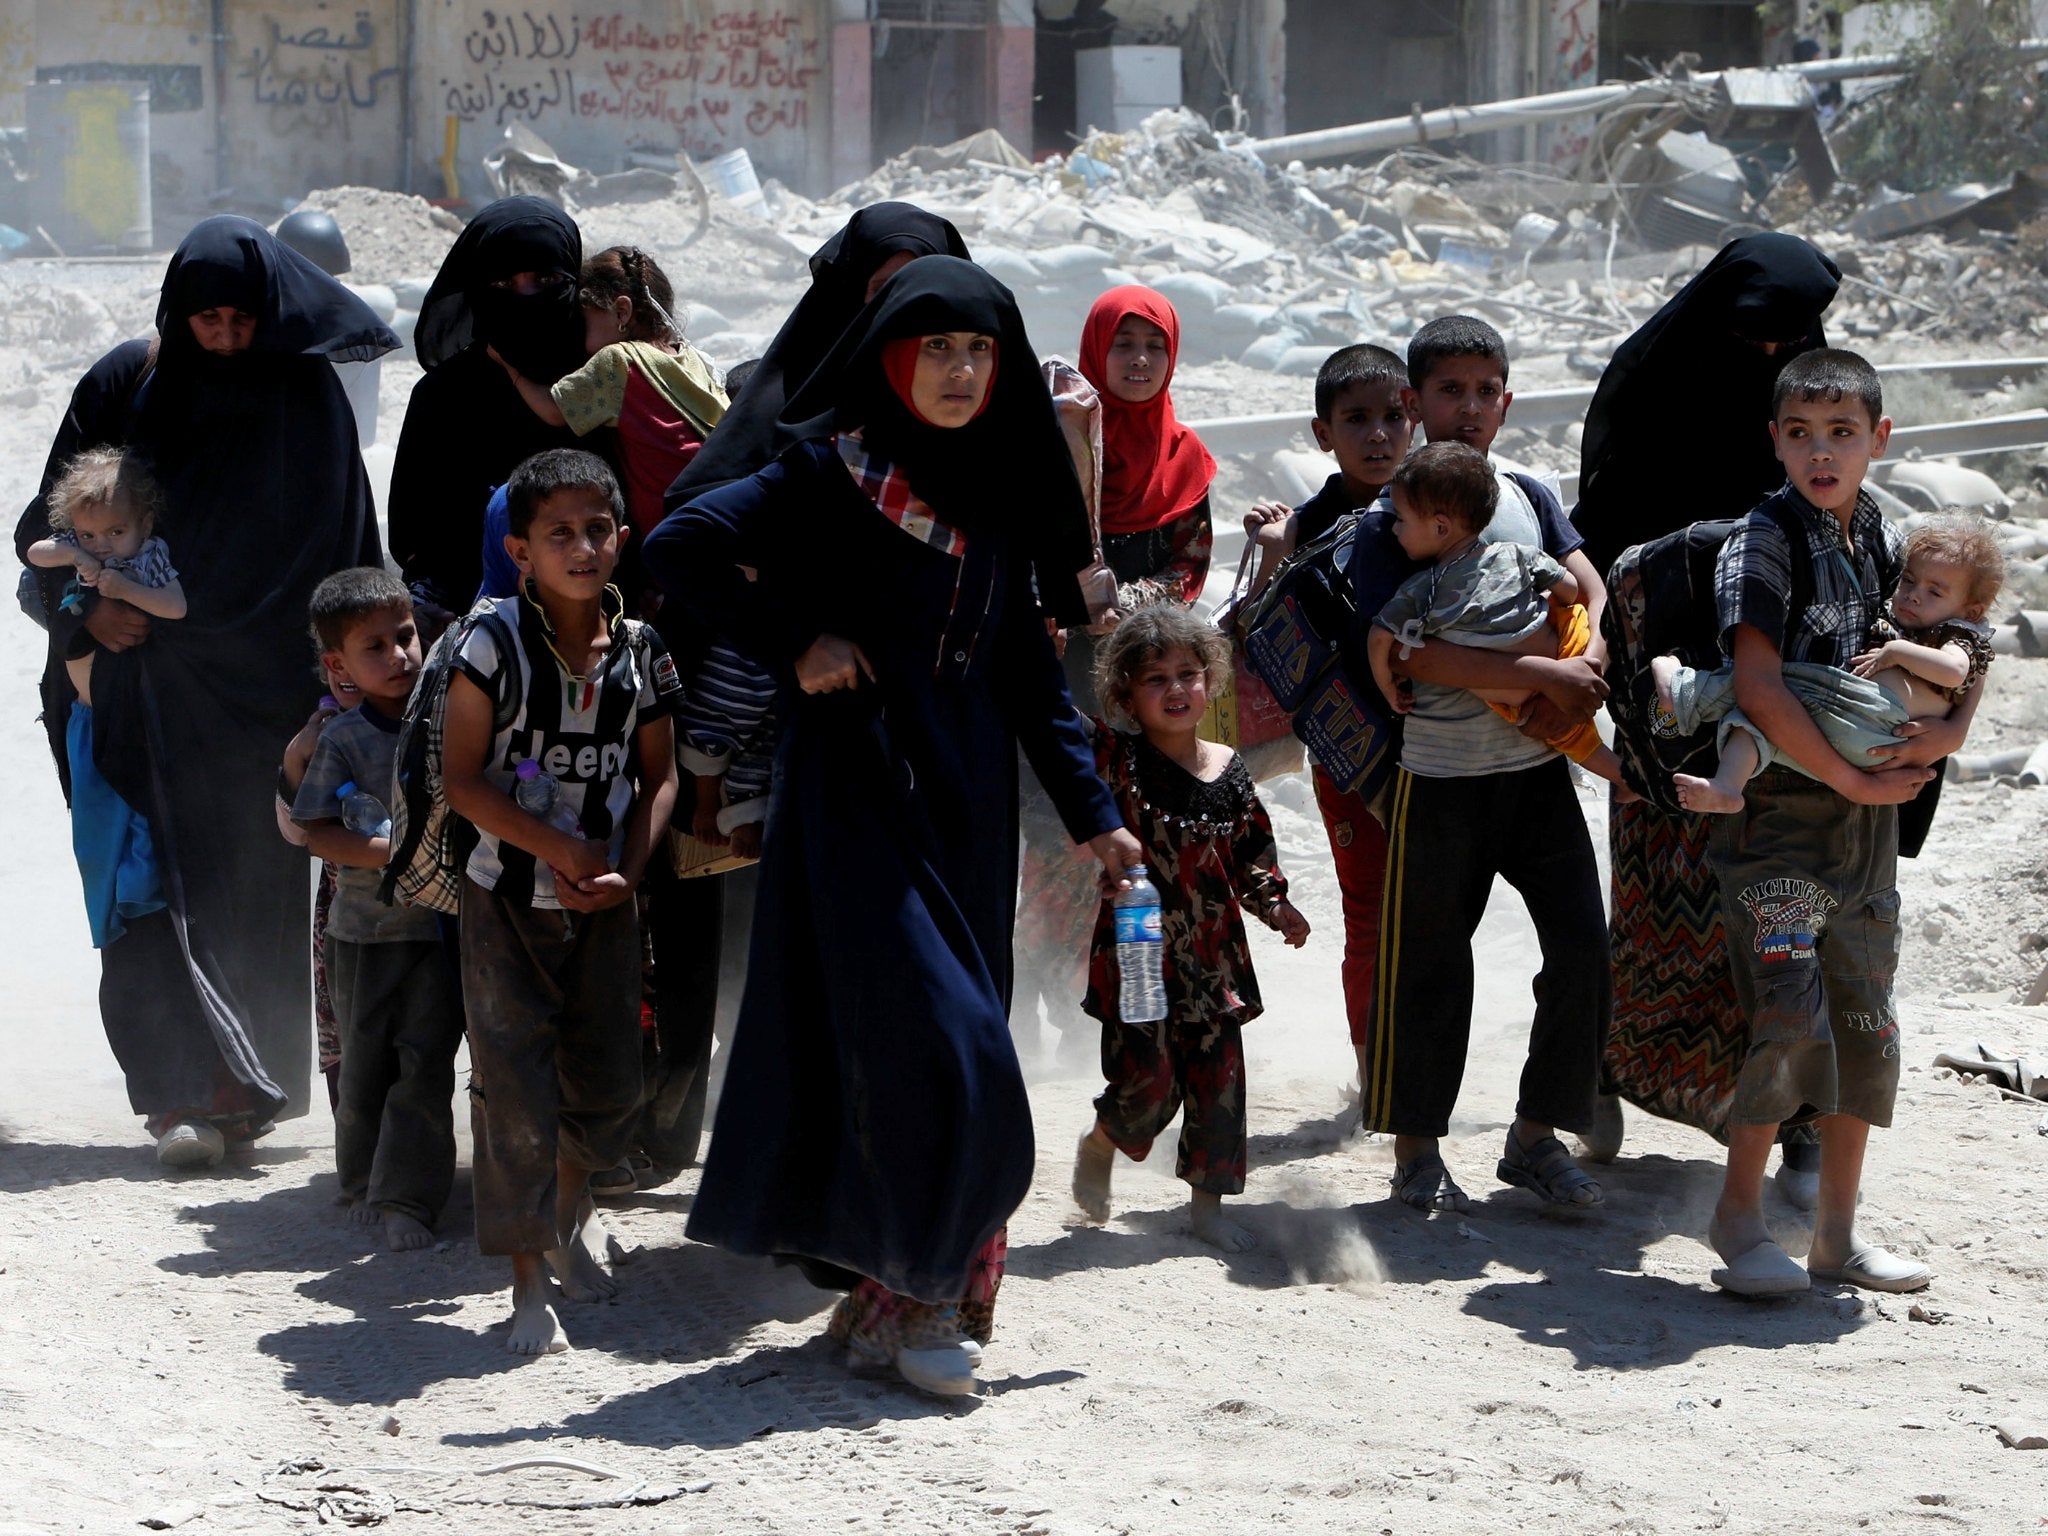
pixel 874 1117
pixel 208 1005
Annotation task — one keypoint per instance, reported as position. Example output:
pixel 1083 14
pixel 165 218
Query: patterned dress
pixel 1210 853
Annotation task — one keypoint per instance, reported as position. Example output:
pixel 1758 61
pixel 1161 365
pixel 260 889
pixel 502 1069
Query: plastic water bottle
pixel 362 812
pixel 1140 952
pixel 535 792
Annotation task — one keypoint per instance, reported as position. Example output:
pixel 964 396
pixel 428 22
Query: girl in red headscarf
pixel 1155 472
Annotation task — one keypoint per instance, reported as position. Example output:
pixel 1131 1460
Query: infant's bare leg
pixel 1663 671
pixel 1722 794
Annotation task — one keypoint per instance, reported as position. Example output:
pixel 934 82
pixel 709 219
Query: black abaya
pixel 208 1004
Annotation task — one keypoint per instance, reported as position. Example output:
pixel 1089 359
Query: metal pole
pixel 1522 111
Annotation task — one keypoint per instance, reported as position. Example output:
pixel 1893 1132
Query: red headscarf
pixel 1153 468
pixel 899 363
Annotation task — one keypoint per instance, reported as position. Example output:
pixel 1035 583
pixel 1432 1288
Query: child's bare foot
pixel 579 1264
pixel 404 1234
pixel 364 1214
pixel 1211 1228
pixel 535 1328
pixel 599 1241
pixel 1697 794
pixel 1093 1159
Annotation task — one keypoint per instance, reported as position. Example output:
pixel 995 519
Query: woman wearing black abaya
pixel 239 413
pixel 846 272
pixel 1679 432
pixel 508 282
pixel 874 1120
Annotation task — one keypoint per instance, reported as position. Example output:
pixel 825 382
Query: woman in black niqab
pixel 1679 428
pixel 759 425
pixel 207 1005
pixel 874 1124
pixel 508 282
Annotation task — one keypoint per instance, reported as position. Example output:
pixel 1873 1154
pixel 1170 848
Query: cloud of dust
pixel 1313 1229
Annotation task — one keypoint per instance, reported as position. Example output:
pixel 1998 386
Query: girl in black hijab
pixel 1678 430
pixel 874 1123
pixel 846 271
pixel 239 413
pixel 508 282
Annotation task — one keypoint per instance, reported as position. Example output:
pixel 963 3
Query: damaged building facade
pixel 265 98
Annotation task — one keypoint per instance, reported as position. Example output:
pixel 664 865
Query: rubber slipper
pixel 1549 1170
pixel 944 1372
pixel 1427 1185
pixel 1765 1270
pixel 1878 1269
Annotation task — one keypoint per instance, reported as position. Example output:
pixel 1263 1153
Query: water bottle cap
pixel 347 789
pixel 329 701
pixel 1134 869
pixel 526 770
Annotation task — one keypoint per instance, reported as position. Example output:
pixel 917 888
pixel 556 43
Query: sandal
pixel 1427 1185
pixel 1549 1170
pixel 615 1182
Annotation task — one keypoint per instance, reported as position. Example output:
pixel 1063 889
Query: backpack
pixel 430 844
pixel 1292 633
pixel 1660 602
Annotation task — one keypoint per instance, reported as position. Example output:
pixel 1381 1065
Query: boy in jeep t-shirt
pixel 1807 867
pixel 550 938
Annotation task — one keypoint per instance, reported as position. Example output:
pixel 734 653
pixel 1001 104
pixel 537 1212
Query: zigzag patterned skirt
pixel 1679 1035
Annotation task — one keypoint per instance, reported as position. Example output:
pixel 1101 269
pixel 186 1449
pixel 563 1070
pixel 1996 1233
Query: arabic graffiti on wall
pixel 317 70
pixel 702 76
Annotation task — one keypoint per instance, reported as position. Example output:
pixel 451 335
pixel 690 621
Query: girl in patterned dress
pixel 1209 851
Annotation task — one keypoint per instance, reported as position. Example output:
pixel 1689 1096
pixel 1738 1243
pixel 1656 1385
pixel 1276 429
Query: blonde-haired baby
pixel 103 513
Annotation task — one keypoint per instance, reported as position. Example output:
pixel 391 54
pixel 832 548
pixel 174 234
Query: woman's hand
pixel 1118 851
pixel 116 625
pixel 830 664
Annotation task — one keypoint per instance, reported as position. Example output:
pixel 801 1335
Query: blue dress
pixel 874 1118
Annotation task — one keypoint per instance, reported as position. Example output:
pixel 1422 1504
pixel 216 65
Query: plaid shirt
pixel 1753 578
pixel 889 489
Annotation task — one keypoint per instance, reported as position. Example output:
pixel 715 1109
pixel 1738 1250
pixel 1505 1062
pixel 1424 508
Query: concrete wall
pixel 312 92
pixel 655 75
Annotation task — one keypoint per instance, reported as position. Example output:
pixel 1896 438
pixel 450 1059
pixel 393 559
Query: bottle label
pixel 1139 925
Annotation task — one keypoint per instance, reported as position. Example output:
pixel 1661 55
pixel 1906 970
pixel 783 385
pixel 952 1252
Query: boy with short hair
pixel 1807 868
pixel 396 1000
pixel 1476 797
pixel 1365 415
pixel 550 939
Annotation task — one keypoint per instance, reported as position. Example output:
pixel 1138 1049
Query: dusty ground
pixel 193 1340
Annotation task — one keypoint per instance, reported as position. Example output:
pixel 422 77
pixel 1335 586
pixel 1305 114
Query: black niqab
pixel 1008 470
pixel 265 495
pixel 540 334
pixel 754 430
pixel 1678 430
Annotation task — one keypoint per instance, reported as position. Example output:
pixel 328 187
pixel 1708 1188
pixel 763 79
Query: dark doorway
pixel 930 73
pixel 1351 61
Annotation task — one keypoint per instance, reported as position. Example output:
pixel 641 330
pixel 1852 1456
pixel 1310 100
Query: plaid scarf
pixel 889 489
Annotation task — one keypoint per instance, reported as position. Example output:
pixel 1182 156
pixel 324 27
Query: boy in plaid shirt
pixel 1807 868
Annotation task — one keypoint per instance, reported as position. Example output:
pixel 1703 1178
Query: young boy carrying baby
pixel 397 1003
pixel 550 938
pixel 1927 651
pixel 1807 867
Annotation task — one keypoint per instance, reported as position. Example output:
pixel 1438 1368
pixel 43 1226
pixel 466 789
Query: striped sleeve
pixel 725 706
